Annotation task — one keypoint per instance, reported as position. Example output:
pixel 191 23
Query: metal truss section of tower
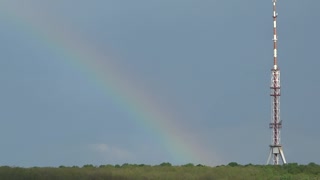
pixel 276 124
pixel 275 98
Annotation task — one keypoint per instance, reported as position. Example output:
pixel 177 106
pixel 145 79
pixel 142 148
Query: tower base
pixel 276 151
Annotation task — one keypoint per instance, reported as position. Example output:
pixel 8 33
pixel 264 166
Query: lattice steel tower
pixel 276 151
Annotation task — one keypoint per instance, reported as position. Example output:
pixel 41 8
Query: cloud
pixel 111 152
pixel 102 148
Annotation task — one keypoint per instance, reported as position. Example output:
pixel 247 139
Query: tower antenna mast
pixel 276 151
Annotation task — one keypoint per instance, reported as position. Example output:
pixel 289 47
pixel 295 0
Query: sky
pixel 150 81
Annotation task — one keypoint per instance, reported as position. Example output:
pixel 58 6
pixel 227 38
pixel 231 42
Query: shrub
pixel 233 164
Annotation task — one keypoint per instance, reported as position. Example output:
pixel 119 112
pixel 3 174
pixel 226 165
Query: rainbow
pixel 82 54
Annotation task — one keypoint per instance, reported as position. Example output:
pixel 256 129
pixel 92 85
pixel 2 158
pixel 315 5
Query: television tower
pixel 276 151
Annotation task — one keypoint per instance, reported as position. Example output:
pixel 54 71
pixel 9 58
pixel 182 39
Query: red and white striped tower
pixel 276 151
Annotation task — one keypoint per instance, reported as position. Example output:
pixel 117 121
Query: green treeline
pixel 232 171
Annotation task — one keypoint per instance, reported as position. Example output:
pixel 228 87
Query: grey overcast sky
pixel 205 62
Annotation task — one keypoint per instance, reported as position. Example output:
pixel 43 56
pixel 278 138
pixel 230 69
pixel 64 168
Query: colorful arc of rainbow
pixel 81 54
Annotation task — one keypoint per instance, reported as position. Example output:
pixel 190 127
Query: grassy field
pixel 232 171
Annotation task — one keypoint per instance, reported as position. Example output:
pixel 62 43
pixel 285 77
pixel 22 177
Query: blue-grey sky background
pixel 209 60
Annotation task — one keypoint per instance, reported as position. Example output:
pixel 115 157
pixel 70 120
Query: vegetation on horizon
pixel 165 170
